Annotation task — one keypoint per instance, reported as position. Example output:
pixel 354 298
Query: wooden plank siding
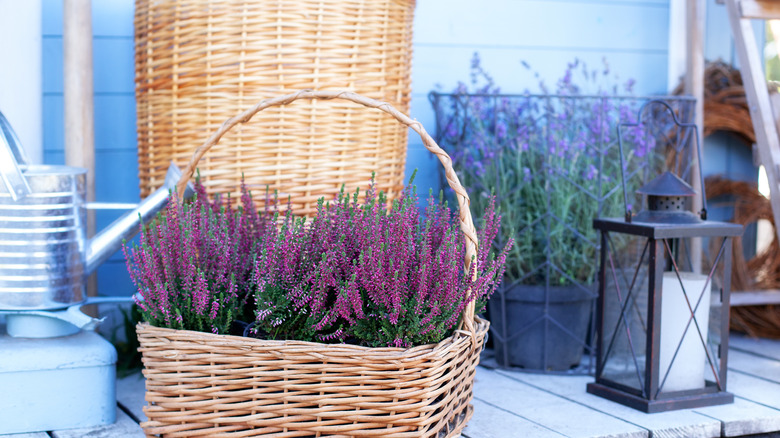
pixel 116 156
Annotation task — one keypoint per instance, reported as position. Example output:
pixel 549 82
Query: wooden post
pixel 694 85
pixel 78 97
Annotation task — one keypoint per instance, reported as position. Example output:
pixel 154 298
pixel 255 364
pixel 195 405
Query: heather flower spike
pixel 360 271
pixel 191 266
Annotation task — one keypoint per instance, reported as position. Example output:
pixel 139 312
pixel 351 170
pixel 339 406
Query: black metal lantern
pixel 662 328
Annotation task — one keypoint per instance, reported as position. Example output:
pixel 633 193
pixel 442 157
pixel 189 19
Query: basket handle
pixel 466 222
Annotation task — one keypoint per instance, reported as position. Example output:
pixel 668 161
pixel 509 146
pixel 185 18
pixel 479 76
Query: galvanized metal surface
pixel 42 240
pixel 44 253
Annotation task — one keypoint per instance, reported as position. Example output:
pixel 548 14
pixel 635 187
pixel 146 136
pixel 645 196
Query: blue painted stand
pixel 56 383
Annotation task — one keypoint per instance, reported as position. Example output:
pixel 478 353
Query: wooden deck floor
pixel 512 404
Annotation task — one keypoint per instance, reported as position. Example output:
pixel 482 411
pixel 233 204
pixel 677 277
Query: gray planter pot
pixel 541 329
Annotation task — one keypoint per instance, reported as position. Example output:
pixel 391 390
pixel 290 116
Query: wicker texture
pixel 200 62
pixel 762 271
pixel 726 109
pixel 200 384
pixel 725 105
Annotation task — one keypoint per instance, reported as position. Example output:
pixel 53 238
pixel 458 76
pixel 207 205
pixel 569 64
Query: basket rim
pixel 459 336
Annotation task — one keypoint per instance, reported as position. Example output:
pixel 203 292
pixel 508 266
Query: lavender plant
pixel 550 160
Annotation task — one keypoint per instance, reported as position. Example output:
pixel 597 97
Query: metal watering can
pixel 45 255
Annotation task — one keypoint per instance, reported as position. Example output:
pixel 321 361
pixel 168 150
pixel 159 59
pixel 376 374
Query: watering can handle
pixel 11 157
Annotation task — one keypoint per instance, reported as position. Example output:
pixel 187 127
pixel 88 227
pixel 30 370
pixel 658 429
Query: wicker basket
pixel 201 384
pixel 200 62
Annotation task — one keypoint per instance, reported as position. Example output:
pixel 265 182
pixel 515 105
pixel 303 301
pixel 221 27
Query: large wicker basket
pixel 199 62
pixel 201 384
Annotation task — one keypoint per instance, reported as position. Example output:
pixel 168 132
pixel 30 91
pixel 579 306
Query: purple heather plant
pixel 193 263
pixel 361 271
pixel 374 274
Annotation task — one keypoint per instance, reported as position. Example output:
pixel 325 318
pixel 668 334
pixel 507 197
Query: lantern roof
pixel 667 184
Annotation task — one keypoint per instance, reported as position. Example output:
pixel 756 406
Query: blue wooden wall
pixel 632 35
pixel 116 157
pixel 724 154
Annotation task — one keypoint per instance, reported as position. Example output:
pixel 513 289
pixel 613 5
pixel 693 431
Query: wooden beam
pixel 755 298
pixel 78 89
pixel 760 9
pixel 694 85
pixel 751 67
pixel 79 104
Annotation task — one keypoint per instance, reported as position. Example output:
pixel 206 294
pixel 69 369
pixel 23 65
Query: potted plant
pixel 360 320
pixel 551 162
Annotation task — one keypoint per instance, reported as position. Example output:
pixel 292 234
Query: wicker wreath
pixel 725 105
pixel 758 273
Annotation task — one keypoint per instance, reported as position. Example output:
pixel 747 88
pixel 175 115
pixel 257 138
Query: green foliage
pixel 552 163
pixel 128 357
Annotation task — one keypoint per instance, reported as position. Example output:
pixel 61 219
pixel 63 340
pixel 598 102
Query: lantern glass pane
pixel 691 317
pixel 625 312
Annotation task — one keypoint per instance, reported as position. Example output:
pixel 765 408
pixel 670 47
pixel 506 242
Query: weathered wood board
pixel 124 427
pixel 674 424
pixel 130 392
pixel 545 409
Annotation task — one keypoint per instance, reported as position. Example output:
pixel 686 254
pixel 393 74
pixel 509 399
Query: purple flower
pixel 478 168
pixel 629 86
pixel 501 129
pixel 452 130
pixel 193 265
pixel 386 277
pixel 558 157
pixel 591 172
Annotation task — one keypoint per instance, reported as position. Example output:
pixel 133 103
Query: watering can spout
pixel 108 241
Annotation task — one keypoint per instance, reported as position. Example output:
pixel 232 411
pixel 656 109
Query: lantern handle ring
pixel 681 126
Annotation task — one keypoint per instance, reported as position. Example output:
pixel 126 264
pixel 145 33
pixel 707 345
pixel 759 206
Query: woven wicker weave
pixel 200 384
pixel 762 271
pixel 200 62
